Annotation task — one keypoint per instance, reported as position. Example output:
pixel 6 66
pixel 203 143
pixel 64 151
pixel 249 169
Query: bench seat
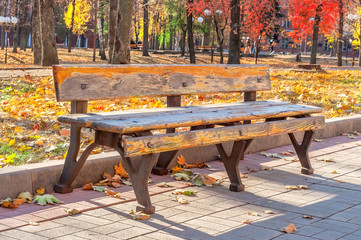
pixel 173 117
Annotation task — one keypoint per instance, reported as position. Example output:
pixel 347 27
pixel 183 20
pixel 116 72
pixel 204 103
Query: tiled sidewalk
pixel 333 200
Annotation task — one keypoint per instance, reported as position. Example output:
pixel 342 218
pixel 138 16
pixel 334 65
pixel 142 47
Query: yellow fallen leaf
pixel 307 217
pixel 39 142
pixel 119 170
pixel 40 191
pixel 247 221
pixel 253 214
pixel 88 186
pixel 269 212
pixel 18 130
pixel 139 215
pixel 11 142
pixel 334 172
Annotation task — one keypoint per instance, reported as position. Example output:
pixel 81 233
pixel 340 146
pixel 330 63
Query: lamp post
pixel 7 23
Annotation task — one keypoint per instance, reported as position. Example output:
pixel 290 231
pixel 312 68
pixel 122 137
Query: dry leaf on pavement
pixel 139 215
pixel 40 191
pixel 269 212
pixel 71 211
pixel 88 186
pixel 289 229
pixel 26 196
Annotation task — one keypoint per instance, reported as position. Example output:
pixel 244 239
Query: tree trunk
pixel 298 55
pixel 121 47
pixel 256 50
pixel 315 37
pixel 183 42
pixel 16 30
pixel 22 38
pixel 70 33
pixel 340 33
pixel 163 43
pixel 45 52
pixel 36 33
pixel 146 29
pixel 192 54
pixel 234 46
pixel 100 22
pixel 113 9
pixel 4 13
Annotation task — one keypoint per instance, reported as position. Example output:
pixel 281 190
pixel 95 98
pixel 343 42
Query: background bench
pixel 131 133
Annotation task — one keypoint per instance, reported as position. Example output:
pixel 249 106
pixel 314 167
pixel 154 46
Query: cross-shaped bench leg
pixel 72 166
pixel 302 151
pixel 231 163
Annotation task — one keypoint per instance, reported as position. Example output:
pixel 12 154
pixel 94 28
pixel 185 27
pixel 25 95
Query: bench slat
pixel 90 82
pixel 200 118
pixel 85 120
pixel 135 146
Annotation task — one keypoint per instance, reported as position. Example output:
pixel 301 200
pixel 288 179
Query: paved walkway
pixel 333 200
pixel 39 72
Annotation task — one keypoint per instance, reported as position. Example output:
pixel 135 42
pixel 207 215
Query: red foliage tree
pixel 312 17
pixel 259 19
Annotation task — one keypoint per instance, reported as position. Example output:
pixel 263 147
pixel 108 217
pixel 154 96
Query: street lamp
pixel 7 23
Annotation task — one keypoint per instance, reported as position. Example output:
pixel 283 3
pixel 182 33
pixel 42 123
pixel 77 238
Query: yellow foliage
pixel 81 16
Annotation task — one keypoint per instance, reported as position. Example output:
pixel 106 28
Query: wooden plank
pixel 85 120
pixel 199 118
pixel 90 82
pixel 166 142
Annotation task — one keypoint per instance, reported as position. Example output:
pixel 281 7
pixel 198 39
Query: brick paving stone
pixel 69 237
pixel 344 216
pixel 350 237
pixel 130 233
pixel 309 230
pixel 161 235
pixel 342 227
pixel 3 237
pixel 86 234
pixel 59 231
pixel 205 224
pixel 18 234
pixel 286 236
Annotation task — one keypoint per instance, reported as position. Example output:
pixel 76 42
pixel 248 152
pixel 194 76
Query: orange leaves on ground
pixel 182 162
pixel 88 186
pixel 64 132
pixel 11 203
pixel 40 191
pixel 113 194
pixel 119 170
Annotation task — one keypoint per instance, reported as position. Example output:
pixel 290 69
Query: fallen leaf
pixel 40 191
pixel 34 223
pixel 116 184
pixel 247 221
pixel 119 170
pixel 39 142
pixel 289 229
pixel 46 199
pixel 307 217
pixel 126 182
pixel 139 215
pixel 181 160
pixel 302 186
pixel 65 132
pixel 271 155
pixel 107 177
pixel 265 168
pixel 163 185
pixel 181 176
pixel 269 212
pixel 253 214
pixel 209 181
pixel 291 187
pixel 26 196
pixel 319 140
pixel 334 172
pixel 88 186
pixel 184 192
pixel 72 211
pixel 326 160
pixel 176 169
pixel 109 192
pixel 180 200
pixel 243 176
pixel 98 188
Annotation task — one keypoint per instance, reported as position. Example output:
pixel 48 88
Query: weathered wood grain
pixel 89 82
pixel 85 120
pixel 166 142
pixel 196 118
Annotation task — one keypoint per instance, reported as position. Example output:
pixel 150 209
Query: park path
pixel 332 201
pixel 34 72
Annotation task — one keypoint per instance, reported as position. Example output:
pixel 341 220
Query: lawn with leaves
pixel 28 109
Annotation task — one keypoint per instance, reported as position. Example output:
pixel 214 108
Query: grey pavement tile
pixel 264 234
pixel 342 227
pixel 41 227
pixel 350 237
pixel 130 233
pixel 286 236
pixel 188 233
pixel 309 230
pixel 329 235
pixel 206 224
pixel 356 220
pixel 90 219
pixel 18 234
pixel 69 237
pixel 110 228
pixel 3 237
pixel 59 231
pixel 72 222
pixel 357 233
pixel 99 212
pixel 183 217
pixel 344 216
pixel 96 236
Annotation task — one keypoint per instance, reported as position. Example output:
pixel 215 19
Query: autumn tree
pixel 260 20
pixel 192 54
pixel 219 12
pixel 353 23
pixel 4 11
pixel 44 43
pixel 76 18
pixel 312 17
pixel 145 28
pixel 102 27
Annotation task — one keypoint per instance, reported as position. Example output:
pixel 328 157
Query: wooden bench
pixel 131 133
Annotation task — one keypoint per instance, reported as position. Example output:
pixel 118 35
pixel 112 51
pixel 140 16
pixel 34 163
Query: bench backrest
pixel 91 82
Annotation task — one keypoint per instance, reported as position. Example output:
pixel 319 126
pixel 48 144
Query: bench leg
pixel 139 171
pixel 231 163
pixel 164 160
pixel 72 166
pixel 302 151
